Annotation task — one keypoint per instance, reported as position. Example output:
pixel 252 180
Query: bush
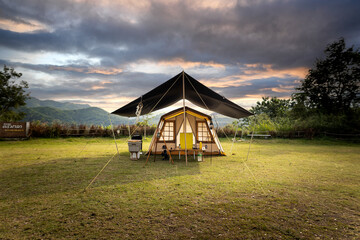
pixel 58 129
pixel 340 124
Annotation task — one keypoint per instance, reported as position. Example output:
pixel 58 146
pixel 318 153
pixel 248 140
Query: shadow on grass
pixel 74 174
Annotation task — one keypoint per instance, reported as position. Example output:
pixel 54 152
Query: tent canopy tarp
pixel 171 92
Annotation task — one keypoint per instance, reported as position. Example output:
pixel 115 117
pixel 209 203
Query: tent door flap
pixel 189 140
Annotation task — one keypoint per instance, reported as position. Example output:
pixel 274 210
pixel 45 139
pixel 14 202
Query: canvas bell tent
pixel 199 131
pixel 181 87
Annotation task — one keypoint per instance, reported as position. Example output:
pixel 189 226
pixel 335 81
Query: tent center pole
pixel 183 80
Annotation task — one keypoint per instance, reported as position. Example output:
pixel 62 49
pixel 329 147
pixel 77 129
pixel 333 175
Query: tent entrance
pixel 170 129
pixel 189 140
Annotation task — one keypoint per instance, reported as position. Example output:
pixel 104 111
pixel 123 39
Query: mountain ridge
pixel 67 112
pixel 87 116
pixel 35 102
pixel 50 111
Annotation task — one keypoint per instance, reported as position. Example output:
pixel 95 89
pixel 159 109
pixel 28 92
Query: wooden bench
pixel 260 135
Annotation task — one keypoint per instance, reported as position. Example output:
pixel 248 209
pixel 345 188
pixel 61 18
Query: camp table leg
pixel 194 154
pixel 179 155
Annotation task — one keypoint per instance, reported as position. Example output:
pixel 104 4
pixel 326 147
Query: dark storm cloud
pixel 72 83
pixel 284 33
pixel 265 87
pixel 120 86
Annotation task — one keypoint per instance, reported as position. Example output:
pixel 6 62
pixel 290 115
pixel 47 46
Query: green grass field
pixel 288 189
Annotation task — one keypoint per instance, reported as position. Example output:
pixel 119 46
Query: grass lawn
pixel 288 189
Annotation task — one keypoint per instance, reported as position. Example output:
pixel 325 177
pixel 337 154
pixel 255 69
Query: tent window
pixel 169 131
pixel 203 134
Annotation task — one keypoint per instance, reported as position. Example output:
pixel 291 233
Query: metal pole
pixel 211 153
pixel 234 140
pixel 252 136
pixel 184 129
pixel 112 128
pixel 129 128
pixel 145 128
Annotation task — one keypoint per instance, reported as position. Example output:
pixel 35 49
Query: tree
pixel 273 107
pixel 12 95
pixel 333 85
pixel 144 123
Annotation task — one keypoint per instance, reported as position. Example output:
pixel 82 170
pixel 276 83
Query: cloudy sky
pixel 109 52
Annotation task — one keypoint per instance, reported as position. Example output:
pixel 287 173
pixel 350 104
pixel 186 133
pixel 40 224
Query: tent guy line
pixel 171 129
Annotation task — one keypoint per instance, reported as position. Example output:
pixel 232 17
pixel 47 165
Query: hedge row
pixel 41 129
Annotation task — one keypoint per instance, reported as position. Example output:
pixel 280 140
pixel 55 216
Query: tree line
pixel 327 100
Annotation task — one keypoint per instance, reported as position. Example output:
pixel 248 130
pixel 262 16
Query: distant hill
pixel 34 102
pixel 49 111
pixel 221 120
pixel 88 116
